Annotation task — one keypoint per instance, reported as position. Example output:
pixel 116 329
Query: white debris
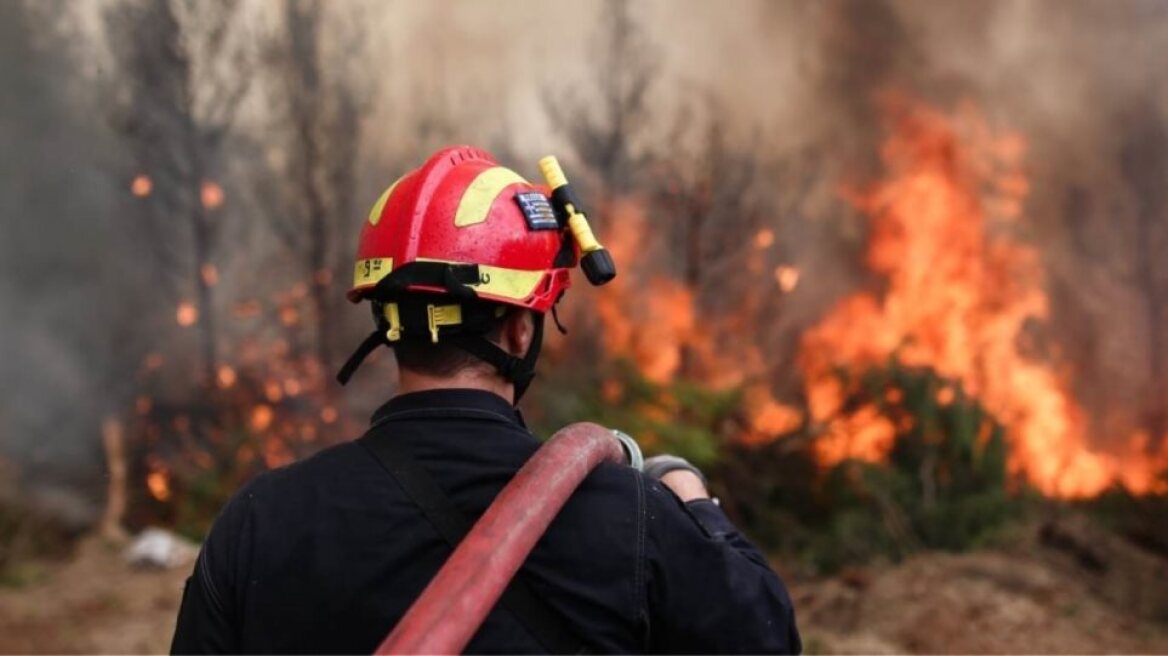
pixel 156 547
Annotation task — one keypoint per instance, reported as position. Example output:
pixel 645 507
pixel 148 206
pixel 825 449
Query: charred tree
pixel 317 103
pixel 180 78
pixel 603 124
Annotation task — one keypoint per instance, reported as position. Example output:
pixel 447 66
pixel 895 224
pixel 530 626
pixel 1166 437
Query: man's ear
pixel 518 331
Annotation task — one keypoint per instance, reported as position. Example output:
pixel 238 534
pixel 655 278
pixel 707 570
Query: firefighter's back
pixel 326 555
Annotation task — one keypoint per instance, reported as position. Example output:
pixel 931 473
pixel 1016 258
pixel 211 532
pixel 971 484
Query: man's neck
pixel 472 378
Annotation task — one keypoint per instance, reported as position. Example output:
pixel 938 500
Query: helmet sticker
pixel 537 210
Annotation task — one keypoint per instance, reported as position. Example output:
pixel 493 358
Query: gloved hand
pixel 679 475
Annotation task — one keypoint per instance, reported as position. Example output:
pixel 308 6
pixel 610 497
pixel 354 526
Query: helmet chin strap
pixel 519 371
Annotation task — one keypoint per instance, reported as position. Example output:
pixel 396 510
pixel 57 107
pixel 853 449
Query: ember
pixel 211 195
pixel 186 314
pixel 158 482
pixel 141 186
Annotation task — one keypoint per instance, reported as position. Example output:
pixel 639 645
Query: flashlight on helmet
pixel 596 262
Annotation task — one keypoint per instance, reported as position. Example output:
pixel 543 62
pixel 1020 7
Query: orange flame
pixel 211 195
pixel 158 483
pixel 328 414
pixel 186 314
pixel 210 274
pixel 959 293
pixel 141 185
pixel 225 376
pixel 787 277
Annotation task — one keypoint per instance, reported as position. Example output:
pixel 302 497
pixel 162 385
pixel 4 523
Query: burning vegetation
pixel 867 343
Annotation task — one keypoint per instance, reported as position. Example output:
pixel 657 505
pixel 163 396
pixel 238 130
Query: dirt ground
pixel 982 603
pixel 94 603
pixel 1036 599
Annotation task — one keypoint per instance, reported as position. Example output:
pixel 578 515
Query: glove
pixel 658 466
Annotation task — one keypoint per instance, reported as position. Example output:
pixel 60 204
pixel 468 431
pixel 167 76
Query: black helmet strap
pixel 416 314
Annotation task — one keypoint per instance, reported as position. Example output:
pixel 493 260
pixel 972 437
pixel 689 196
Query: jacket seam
pixel 639 579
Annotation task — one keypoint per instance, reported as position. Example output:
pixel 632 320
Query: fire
pixel 261 418
pixel 651 319
pixel 186 314
pixel 292 387
pixel 273 391
pixel 141 185
pixel 959 294
pixel 764 238
pixel 768 417
pixel 210 274
pixel 158 483
pixel 289 316
pixel 225 376
pixel 211 195
pixel 787 277
pixel 328 414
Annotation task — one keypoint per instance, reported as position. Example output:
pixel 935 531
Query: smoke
pixel 58 258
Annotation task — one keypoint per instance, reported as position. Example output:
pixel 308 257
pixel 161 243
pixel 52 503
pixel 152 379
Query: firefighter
pixel 461 259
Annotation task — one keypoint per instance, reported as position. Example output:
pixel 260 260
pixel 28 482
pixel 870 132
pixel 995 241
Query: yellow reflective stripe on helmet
pixel 372 270
pixel 478 197
pixel 514 284
pixel 379 206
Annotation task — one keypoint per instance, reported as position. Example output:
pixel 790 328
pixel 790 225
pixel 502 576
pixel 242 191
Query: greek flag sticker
pixel 537 210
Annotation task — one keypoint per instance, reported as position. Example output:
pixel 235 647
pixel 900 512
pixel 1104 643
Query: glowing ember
pixel 764 238
pixel 210 274
pixel 141 186
pixel 787 277
pixel 289 316
pixel 158 483
pixel 328 414
pixel 273 391
pixel 211 195
pixel 292 387
pixel 225 376
pixel 323 277
pixel 261 417
pixel 153 361
pixel 276 454
pixel 187 314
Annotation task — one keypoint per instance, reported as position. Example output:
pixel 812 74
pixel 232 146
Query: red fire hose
pixel 457 600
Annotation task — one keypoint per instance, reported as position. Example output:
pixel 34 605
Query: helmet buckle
pixel 393 316
pixel 442 315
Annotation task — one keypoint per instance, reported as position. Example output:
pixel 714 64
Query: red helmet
pixel 461 207
pixel 447 245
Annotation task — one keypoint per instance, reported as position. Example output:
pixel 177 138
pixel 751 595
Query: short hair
pixel 442 360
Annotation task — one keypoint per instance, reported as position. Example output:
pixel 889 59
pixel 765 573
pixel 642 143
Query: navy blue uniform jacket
pixel 325 555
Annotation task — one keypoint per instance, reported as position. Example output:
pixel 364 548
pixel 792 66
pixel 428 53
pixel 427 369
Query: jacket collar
pixel 450 399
